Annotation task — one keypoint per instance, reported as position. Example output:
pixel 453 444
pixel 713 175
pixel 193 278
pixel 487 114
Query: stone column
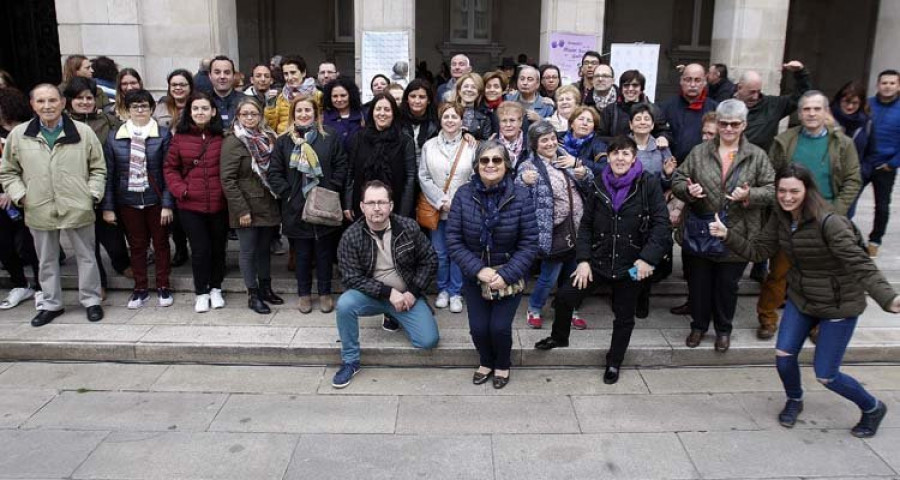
pixel 152 36
pixel 750 35
pixel 384 15
pixel 584 17
pixel 885 53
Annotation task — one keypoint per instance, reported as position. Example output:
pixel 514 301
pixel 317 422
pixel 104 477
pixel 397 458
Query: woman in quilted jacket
pixel 830 274
pixel 192 175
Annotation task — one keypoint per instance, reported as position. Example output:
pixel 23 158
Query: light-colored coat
pixel 434 169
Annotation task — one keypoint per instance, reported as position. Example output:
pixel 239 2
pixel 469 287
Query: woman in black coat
pixel 624 233
pixel 382 152
pixel 308 156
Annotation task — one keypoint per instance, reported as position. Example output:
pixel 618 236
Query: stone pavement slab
pixel 45 453
pixel 4 366
pixel 405 381
pixel 220 335
pixel 486 414
pixel 165 456
pixel 391 457
pixel 130 411
pixel 878 377
pixel 588 347
pixel 720 380
pixel 73 376
pixel 307 414
pixel 802 453
pixel 238 379
pixel 582 381
pixel 661 413
pixel 887 445
pixel 820 410
pixel 94 332
pixel 16 406
pixel 596 456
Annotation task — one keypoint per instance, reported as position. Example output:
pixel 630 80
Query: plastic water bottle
pixel 14 213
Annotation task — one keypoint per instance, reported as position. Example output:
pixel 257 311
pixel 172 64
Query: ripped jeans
pixel 834 335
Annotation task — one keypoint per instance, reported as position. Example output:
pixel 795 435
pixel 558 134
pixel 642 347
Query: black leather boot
pixel 256 304
pixel 266 293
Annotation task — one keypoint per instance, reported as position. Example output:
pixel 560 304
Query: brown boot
pixel 765 332
pixel 693 339
pixel 723 342
pixel 326 303
pixel 304 304
pixel 292 260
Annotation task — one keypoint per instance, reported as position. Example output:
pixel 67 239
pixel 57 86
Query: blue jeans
pixel 550 274
pixel 449 276
pixel 834 335
pixel 418 322
pixel 490 324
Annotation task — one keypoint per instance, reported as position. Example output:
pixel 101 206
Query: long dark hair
pixel 167 100
pixel 814 205
pixel 347 84
pixel 853 88
pixel 186 122
pixel 370 115
pixel 430 110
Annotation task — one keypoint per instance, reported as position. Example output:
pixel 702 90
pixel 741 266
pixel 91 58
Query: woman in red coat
pixel 192 175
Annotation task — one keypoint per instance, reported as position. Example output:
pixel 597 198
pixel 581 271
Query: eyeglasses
pixel 490 160
pixel 139 107
pixel 378 204
pixel 732 125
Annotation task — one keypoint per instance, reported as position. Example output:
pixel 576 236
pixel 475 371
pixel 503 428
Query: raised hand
pixel 695 189
pixel 717 228
pixel 739 194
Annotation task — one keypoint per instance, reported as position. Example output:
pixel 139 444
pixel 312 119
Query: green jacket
pixel 830 272
pixel 60 185
pixel 845 178
pixel 243 189
pixel 704 166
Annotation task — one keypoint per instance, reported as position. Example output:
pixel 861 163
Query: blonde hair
pixel 568 89
pixel 507 106
pixel 479 85
pixel 317 112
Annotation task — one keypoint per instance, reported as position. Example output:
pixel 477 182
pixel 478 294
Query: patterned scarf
pixel 303 157
pixel 601 101
pixel 308 87
pixel 259 143
pixel 618 187
pixel 137 163
pixel 490 204
pixel 573 145
pixel 513 147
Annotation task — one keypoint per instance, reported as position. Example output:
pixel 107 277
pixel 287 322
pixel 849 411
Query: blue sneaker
pixel 345 375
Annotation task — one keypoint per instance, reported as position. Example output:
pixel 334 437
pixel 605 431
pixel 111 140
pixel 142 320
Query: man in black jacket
pixel 386 265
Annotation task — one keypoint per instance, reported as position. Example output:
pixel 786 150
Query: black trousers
pixel 17 250
pixel 208 235
pixel 178 235
pixel 624 297
pixel 712 292
pixel 324 251
pixel 882 188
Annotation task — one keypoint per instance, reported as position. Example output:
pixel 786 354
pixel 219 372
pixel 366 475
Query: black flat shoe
pixel 500 382
pixel 788 416
pixel 867 426
pixel 45 316
pixel 94 313
pixel 479 378
pixel 550 343
pixel 611 375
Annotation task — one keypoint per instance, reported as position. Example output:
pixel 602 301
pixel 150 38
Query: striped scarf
pixel 137 164
pixel 304 158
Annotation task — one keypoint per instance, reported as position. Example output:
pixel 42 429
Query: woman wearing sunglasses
pixel 492 236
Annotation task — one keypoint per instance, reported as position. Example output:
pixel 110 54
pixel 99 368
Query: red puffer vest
pixel 192 171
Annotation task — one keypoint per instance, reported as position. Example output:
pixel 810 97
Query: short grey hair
pixel 732 108
pixel 491 145
pixel 538 130
pixel 810 94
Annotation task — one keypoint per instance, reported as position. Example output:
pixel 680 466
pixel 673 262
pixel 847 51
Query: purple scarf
pixel 618 187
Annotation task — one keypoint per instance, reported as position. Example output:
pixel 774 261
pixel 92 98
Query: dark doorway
pixel 833 38
pixel 29 42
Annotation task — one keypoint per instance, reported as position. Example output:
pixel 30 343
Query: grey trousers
pixel 254 258
pixel 46 243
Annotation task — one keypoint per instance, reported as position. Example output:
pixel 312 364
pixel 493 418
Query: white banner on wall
pixel 381 52
pixel 643 57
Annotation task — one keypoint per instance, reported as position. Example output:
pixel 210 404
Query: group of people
pixel 472 187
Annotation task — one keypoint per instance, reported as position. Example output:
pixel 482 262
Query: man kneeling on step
pixel 386 265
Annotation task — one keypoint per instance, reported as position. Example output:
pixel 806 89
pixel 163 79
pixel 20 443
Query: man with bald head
pixel 459 66
pixel 684 113
pixel 53 168
pixel 528 94
pixel 766 111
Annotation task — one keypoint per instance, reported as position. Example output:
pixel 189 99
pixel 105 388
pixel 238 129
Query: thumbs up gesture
pixel 717 228
pixel 695 189
pixel 739 194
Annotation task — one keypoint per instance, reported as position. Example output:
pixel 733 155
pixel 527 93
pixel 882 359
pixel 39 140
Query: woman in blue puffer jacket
pixel 492 236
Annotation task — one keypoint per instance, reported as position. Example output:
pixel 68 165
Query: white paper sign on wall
pixel 380 51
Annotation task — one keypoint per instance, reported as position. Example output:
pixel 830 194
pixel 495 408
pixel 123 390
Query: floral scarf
pixel 259 143
pixel 304 158
pixel 514 148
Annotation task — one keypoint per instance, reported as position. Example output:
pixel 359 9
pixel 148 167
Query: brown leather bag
pixel 428 216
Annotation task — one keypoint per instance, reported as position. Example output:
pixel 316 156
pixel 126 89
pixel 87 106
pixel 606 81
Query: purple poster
pixel 566 50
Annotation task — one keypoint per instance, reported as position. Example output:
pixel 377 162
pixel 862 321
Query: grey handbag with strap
pixel 323 207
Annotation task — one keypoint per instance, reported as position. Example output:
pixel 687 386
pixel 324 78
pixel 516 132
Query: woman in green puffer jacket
pixel 827 284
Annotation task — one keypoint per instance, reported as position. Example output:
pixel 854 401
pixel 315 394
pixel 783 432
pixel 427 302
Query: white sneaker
pixel 202 304
pixel 38 299
pixel 456 304
pixel 442 300
pixel 215 296
pixel 164 297
pixel 138 300
pixel 15 297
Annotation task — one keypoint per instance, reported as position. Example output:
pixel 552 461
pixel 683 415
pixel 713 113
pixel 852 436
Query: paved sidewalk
pixel 118 421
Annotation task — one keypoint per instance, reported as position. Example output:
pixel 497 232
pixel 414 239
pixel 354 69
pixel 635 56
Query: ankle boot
pixel 255 303
pixel 267 294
